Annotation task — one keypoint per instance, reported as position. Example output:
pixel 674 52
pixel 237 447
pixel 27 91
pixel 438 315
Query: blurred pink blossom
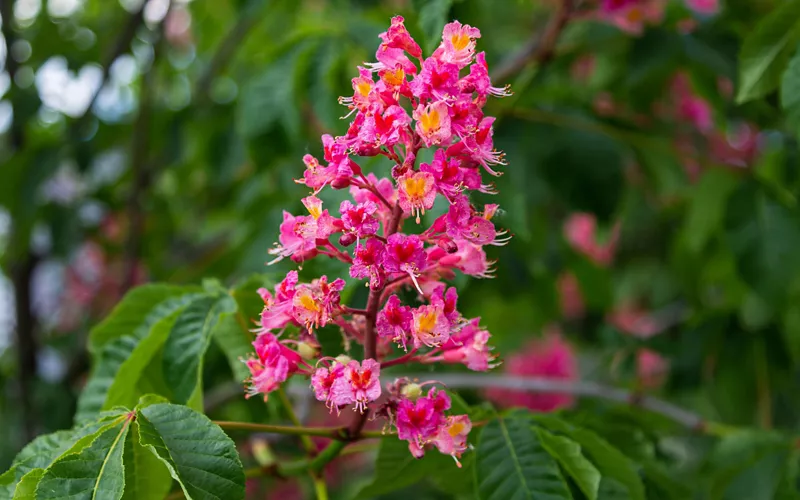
pixel 631 16
pixel 570 298
pixel 580 230
pixel 703 6
pixel 651 368
pixel 548 357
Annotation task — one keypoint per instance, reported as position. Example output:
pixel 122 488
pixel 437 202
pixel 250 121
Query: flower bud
pixel 347 239
pixel 340 182
pixel 307 350
pixel 447 245
pixel 411 391
pixel 343 359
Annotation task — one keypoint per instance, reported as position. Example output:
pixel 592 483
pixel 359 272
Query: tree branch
pixel 123 43
pixel 585 389
pixel 27 343
pixel 16 131
pixel 538 49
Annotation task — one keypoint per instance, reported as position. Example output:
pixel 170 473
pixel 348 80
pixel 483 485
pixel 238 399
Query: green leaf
pixel 790 85
pixel 145 476
pixel 96 472
pixel 198 454
pixel 115 341
pixel 511 463
pixel 611 463
pixel 396 469
pixel 766 51
pixel 764 237
pixel 568 453
pixel 188 341
pixel 707 208
pixel 138 311
pixel 433 14
pixel 26 489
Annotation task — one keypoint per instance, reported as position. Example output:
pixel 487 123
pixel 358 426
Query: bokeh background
pixel 655 220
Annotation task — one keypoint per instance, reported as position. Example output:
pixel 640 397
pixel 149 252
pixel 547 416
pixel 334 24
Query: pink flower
pixel 478 80
pixel 272 366
pixel 437 81
pixel 549 357
pixel 469 346
pixel 419 422
pixel 417 193
pixel 359 384
pixel 452 436
pixel 580 230
pixel 447 301
pixel 404 254
pixel 277 309
pixel 632 15
pixel 314 304
pixel 447 174
pixel 634 321
pixel 481 146
pixel 458 44
pixel 397 41
pixel 461 224
pixel 651 368
pixel 691 107
pixel 429 326
pixel 387 129
pixel 471 260
pixel 323 379
pixel 359 219
pixel 316 176
pixel 394 321
pixel 367 261
pixel 703 6
pixel 298 235
pixel 433 123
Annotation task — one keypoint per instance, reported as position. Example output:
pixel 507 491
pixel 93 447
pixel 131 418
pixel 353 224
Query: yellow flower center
pixel 395 77
pixel 414 187
pixel 456 429
pixel 429 121
pixel 459 41
pixel 363 88
pixel 635 15
pixel 427 321
pixel 308 303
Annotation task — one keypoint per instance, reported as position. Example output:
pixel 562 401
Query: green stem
pixel 328 432
pixel 320 487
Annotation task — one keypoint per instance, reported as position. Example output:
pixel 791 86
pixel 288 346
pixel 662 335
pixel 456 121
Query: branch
pixel 334 433
pixel 27 344
pixel 584 389
pixel 538 49
pixel 123 43
pixel 226 49
pixel 139 169
pixel 16 132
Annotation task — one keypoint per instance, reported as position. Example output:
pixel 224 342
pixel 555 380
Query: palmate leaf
pixel 568 453
pixel 766 51
pixel 96 472
pixel 188 341
pixel 26 489
pixel 114 343
pixel 511 463
pixel 145 475
pixel 197 453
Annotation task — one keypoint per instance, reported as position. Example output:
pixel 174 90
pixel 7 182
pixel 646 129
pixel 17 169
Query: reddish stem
pixel 405 358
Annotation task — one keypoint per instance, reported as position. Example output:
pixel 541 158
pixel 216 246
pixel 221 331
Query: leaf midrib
pixel 513 452
pixel 110 451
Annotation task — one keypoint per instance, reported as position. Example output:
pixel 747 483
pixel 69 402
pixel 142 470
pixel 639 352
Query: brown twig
pixel 16 131
pixel 538 50
pixel 27 344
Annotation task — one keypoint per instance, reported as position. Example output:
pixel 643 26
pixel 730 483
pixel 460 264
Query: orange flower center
pixel 459 41
pixel 429 121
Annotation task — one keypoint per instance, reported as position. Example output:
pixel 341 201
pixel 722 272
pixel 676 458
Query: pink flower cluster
pixel 402 103
pixel 633 15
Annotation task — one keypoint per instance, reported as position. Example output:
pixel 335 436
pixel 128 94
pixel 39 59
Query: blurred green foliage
pixel 181 167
